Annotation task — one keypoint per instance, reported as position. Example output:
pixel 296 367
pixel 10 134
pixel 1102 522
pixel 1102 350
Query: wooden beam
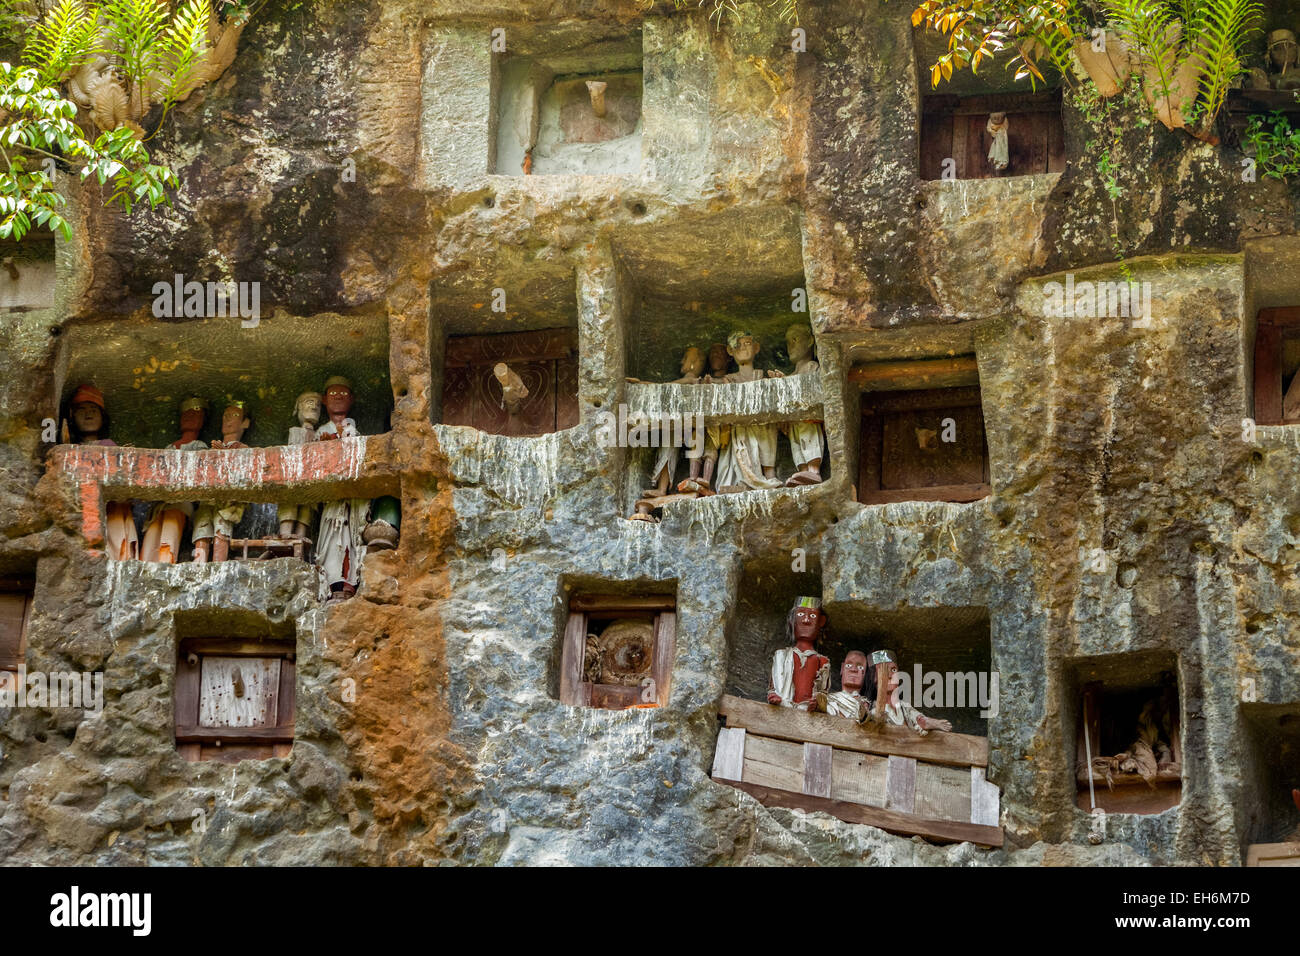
pixel 889 820
pixel 234 735
pixel 923 373
pixel 619 602
pixel 786 723
pixel 955 493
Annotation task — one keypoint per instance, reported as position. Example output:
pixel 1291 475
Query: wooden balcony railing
pixel 932 786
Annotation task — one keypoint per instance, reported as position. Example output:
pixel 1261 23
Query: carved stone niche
pixel 575 111
pixel 618 651
pixel 1270 800
pixel 922 444
pixel 955 140
pixel 1129 734
pixel 1277 361
pixel 15 611
pixel 234 699
pixel 546 363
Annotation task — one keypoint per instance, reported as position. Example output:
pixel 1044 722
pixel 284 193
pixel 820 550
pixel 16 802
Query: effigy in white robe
pixel 339 547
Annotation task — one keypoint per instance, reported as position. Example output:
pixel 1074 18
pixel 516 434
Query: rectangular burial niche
pixel 235 687
pixel 546 365
pixel 922 444
pixel 1277 359
pixel 618 650
pixel 27 273
pixel 955 116
pixel 571 107
pixel 1272 774
pixel 1127 718
pixel 145 369
pixel 15 612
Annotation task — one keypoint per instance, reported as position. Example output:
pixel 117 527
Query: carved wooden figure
pixel 883 684
pixel 807 440
pixel 748 461
pixel 162 535
pixel 295 520
pixel 799 673
pixel 214 524
pixel 89 426
pixel 341 547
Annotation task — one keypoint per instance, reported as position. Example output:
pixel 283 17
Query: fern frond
pixel 60 43
pixel 134 29
pixel 184 43
pixel 1215 40
pixel 1145 26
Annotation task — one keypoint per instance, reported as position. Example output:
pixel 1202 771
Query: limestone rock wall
pixel 345 163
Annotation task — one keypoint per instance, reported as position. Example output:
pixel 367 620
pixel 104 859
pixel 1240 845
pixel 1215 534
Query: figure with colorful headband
pixel 214 524
pixel 162 534
pixel 88 425
pixel 340 546
pixel 807 440
pixel 799 673
pixel 882 688
pixel 295 520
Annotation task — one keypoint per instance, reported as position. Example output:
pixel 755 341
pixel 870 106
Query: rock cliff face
pixel 351 162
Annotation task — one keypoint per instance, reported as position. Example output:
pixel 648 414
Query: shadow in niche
pixel 952 642
pixel 1272 771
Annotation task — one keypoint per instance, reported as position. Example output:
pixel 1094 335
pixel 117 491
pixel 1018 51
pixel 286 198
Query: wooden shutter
pixel 897 466
pixel 212 722
pixel 575 646
pixel 547 363
pixel 15 605
pixel 665 655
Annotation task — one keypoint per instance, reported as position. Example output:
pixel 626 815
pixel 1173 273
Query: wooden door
pixel 547 363
pixel 905 456
pixel 957 128
pixel 15 605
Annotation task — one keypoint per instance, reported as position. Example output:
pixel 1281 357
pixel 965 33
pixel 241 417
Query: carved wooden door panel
pixel 545 361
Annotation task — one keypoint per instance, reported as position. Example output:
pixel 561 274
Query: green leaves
pixel 40 134
pixel 1275 145
pixel 134 29
pixel 183 43
pixel 61 43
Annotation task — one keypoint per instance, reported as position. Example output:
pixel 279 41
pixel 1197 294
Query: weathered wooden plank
pixel 901 823
pixel 962 371
pixel 545 345
pixel 575 647
pixel 661 671
pixel 207 735
pixel 13 626
pixel 954 493
pixel 900 785
pixel 239 691
pixel 896 400
pixel 1273 854
pixel 858 777
pixel 222 647
pixel 773 763
pixel 942 793
pixel 1268 375
pixel 960 150
pixel 612 696
pixel 622 602
pixel 729 758
pixel 185 704
pixel 985 799
pixel 786 723
pixel 817 770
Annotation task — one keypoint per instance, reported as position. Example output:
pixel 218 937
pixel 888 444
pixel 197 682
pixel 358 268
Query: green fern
pixel 182 44
pixel 1218 31
pixel 63 41
pixel 134 29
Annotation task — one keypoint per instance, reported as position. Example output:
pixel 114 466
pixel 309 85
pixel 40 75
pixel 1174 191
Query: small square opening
pixel 234 699
pixel 1129 749
pixel 571 112
pixel 922 444
pixel 618 651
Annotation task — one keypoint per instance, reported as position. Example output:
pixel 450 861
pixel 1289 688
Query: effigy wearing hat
pixel 87 394
pixel 194 402
pixel 883 657
pixel 337 380
pixel 812 602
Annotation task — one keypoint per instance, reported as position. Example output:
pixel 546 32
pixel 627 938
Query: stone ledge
pixel 322 471
pixel 793 398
